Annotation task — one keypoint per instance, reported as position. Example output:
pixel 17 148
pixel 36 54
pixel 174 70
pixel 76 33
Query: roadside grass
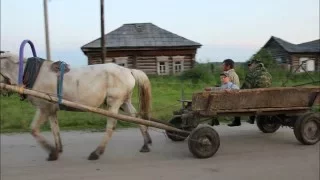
pixel 17 115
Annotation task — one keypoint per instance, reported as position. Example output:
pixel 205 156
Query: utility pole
pixel 46 25
pixel 103 50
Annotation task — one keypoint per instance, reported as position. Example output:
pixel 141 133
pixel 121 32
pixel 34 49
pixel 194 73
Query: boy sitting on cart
pixel 227 85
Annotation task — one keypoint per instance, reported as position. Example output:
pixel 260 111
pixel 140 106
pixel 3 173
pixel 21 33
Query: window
pixel 177 67
pixel 304 67
pixel 162 67
pixel 308 64
pixel 177 64
pixel 279 59
pixel 121 61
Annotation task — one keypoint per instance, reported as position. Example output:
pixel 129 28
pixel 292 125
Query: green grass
pixel 17 115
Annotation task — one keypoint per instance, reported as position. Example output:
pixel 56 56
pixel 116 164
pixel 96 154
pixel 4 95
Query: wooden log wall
pixel 277 52
pixel 145 60
pixel 147 64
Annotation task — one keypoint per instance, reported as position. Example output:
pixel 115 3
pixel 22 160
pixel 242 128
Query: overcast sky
pixel 226 29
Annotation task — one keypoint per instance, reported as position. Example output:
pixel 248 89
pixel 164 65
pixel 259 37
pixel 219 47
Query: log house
pixel 147 47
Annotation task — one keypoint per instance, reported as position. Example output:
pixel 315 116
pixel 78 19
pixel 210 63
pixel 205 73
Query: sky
pixel 226 29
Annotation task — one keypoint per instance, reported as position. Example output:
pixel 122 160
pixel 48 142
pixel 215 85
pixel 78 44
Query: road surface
pixel 245 153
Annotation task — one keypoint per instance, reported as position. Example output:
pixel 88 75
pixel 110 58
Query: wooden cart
pixel 273 107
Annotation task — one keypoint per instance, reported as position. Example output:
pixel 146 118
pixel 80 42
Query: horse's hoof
pixel 93 156
pixel 53 156
pixel 145 149
pixel 149 139
pixel 60 150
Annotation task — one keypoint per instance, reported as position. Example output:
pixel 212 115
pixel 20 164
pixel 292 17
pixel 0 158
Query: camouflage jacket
pixel 258 77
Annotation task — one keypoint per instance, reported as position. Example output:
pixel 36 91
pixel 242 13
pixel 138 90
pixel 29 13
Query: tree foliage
pixel 266 58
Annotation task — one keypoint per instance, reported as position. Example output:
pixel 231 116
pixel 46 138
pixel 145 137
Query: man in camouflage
pixel 257 77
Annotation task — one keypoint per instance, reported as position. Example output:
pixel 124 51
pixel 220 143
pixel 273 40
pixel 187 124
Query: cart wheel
pixel 204 142
pixel 268 124
pixel 176 136
pixel 307 128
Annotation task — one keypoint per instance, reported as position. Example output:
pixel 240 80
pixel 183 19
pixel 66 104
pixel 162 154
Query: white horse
pixel 93 85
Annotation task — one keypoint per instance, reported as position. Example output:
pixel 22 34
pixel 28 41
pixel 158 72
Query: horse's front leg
pixel 111 125
pixel 40 118
pixel 56 131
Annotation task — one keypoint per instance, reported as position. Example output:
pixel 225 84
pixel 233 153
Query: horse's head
pixel 9 67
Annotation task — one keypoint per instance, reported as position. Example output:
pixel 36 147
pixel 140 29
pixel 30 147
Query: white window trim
pixel 177 59
pixel 307 64
pixel 174 67
pixel 164 59
pixel 121 60
pixel 108 60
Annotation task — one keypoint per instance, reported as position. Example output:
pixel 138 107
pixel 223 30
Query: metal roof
pixel 141 35
pixel 311 46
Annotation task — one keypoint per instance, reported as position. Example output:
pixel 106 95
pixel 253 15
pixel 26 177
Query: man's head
pixel 253 63
pixel 224 77
pixel 227 64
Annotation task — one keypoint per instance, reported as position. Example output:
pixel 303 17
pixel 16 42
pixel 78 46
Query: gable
pixel 277 51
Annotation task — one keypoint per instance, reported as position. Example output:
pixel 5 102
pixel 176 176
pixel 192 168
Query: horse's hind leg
pixel 56 131
pixel 147 138
pixel 128 108
pixel 111 125
pixel 38 120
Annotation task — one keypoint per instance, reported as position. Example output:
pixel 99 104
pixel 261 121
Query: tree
pixel 265 57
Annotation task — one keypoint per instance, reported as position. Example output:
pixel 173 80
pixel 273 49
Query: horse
pixel 108 86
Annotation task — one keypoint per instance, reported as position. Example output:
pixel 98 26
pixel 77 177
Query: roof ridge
pixel 313 41
pixel 277 38
pixel 137 23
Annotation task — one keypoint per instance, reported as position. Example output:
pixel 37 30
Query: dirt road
pixel 245 153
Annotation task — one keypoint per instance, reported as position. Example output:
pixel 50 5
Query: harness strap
pixel 30 74
pixel 62 69
pixel 60 82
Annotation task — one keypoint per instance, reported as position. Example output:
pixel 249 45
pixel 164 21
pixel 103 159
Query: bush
pixel 266 58
pixel 200 72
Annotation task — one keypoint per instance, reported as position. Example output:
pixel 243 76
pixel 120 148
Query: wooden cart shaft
pixel 82 107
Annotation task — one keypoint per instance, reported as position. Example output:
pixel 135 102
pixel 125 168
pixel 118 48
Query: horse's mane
pixel 12 56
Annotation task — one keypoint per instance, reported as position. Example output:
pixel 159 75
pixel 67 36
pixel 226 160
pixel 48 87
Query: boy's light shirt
pixel 228 85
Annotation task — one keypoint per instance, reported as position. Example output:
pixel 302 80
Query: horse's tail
pixel 144 90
